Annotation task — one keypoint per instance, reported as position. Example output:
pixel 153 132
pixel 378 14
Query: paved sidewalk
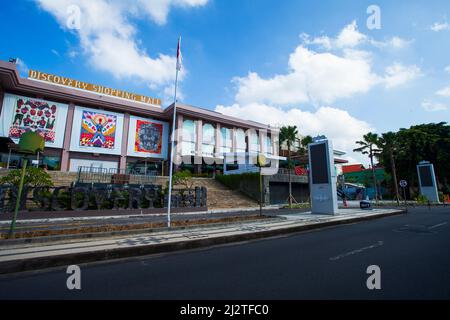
pixel 21 257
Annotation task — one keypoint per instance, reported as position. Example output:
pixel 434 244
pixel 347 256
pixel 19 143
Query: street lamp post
pixel 261 162
pixel 30 143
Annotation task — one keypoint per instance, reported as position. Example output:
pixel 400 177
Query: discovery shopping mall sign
pixel 80 85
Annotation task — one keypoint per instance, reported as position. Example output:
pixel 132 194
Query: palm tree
pixel 369 147
pixel 289 135
pixel 388 145
pixel 303 144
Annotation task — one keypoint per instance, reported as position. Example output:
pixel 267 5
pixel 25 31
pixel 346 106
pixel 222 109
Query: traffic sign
pixel 403 183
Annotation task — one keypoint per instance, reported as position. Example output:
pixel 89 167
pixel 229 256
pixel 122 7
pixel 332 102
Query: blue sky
pixel 314 64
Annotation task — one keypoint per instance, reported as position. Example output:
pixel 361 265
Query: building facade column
pixel 218 136
pixel 123 151
pixel 233 140
pixel 178 140
pixel 262 136
pixel 198 146
pixel 274 138
pixel 65 155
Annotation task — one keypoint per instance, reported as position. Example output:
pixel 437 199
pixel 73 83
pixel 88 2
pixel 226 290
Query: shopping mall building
pixel 88 125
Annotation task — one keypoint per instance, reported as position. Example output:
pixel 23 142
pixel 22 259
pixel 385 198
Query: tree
pixel 388 144
pixel 430 142
pixel 369 147
pixel 303 144
pixel 34 177
pixel 289 135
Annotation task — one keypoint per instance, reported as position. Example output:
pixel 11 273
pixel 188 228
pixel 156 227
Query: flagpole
pixel 173 138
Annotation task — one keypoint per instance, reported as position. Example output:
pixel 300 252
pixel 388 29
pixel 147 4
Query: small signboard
pixel 403 183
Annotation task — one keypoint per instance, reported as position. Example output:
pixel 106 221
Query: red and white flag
pixel 179 57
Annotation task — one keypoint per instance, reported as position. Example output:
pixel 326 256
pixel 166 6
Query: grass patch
pixel 305 205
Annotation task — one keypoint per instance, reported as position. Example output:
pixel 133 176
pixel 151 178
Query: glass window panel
pixel 208 149
pixel 226 135
pixel 240 140
pixel 225 149
pixel 188 148
pixel 208 135
pixel 188 133
pixel 269 148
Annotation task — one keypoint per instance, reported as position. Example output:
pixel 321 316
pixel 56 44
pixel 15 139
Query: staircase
pixel 221 197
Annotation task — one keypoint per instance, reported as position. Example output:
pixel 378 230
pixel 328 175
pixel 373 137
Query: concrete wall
pixel 279 192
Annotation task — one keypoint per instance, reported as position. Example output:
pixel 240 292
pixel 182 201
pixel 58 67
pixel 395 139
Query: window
pixel 269 147
pixel 188 138
pixel 254 141
pixel 51 163
pixel 241 146
pixel 208 140
pixel 227 140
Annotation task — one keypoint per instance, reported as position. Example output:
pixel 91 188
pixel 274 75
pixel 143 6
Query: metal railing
pixel 115 176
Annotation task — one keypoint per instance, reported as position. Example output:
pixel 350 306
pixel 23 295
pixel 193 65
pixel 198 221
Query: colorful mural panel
pixel 149 137
pixel 97 130
pixel 33 115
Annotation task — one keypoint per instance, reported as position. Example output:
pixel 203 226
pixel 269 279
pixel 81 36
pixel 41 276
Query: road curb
pixel 85 257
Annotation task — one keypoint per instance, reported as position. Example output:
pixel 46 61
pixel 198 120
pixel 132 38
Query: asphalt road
pixel 411 250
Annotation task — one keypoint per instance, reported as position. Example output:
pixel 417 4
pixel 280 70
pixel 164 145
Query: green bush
pixel 233 181
pixel 421 199
pixel 182 177
pixel 34 177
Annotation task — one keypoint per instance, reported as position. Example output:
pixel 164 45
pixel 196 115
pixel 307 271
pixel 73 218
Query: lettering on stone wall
pixel 99 196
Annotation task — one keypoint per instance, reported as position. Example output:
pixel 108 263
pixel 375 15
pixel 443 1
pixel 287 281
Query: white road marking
pixel 437 225
pixel 343 255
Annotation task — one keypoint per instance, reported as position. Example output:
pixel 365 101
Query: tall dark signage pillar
pixel 322 177
pixel 427 181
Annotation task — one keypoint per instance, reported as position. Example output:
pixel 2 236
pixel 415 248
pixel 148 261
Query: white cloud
pixel 109 40
pixel 321 78
pixel 440 26
pixel 351 37
pixel 348 37
pixel 22 67
pixel 324 77
pixel 395 43
pixel 158 10
pixel 447 69
pixel 169 91
pixel 335 123
pixel 444 92
pixel 433 106
pixel 315 77
pixel 398 74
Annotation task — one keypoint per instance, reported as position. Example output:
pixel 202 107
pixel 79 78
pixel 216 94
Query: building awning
pixel 7 144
